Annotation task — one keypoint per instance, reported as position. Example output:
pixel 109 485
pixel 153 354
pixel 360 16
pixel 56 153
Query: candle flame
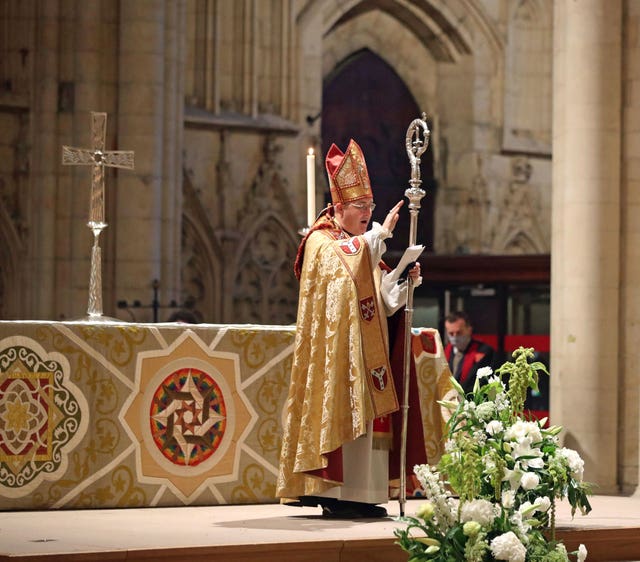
pixel 311 152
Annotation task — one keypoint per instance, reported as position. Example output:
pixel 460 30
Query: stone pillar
pixel 141 128
pixel 630 256
pixel 40 282
pixel 71 73
pixel 172 153
pixel 585 272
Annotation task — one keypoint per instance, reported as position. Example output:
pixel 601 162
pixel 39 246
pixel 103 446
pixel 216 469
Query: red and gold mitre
pixel 348 176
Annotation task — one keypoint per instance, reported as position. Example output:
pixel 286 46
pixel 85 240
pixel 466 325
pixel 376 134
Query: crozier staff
pixel 334 450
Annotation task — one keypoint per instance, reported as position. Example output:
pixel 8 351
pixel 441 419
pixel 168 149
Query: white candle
pixel 311 187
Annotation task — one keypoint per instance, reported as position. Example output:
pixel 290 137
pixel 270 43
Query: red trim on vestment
pixel 333 470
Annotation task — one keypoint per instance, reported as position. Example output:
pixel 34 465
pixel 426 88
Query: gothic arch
pixel 342 43
pixel 265 290
pixel 201 267
pixel 434 25
pixel 519 231
pixel 448 30
pixel 420 31
pixel 521 243
pixel 420 36
pixel 378 123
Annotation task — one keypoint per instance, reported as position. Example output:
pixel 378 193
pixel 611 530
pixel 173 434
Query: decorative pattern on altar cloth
pixel 189 416
pixel 43 415
pixel 163 414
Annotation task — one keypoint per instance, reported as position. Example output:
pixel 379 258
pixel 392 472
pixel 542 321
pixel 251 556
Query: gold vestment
pixel 329 401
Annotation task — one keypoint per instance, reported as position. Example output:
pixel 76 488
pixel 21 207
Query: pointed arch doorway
pixel 365 99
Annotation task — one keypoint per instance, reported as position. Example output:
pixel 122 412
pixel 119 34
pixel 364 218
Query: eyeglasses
pixel 364 206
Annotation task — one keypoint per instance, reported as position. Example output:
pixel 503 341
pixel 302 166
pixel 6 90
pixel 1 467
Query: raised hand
pixel 392 217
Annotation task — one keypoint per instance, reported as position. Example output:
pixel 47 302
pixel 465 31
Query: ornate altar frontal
pixel 128 415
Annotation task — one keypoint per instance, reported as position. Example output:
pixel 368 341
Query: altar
pixel 108 415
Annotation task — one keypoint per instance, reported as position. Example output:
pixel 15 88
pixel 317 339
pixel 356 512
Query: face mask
pixel 460 342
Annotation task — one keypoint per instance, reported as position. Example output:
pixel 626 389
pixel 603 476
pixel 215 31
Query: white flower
pixel 482 511
pixel 524 432
pixel 543 504
pixel 479 437
pixel 502 402
pixel 521 527
pixel 508 547
pixel 529 480
pixel 485 410
pixel 484 372
pixel 526 508
pixel 582 553
pixel 513 476
pixel 494 427
pixel 444 506
pixel 536 463
pixel 575 462
pixel 425 511
pixel 489 464
pixel 450 445
pixel 471 528
pixel 508 498
pixel 527 456
pixel 469 406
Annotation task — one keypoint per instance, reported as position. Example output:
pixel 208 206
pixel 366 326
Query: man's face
pixel 457 328
pixel 354 217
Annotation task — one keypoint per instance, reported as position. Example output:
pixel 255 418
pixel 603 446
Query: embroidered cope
pixel 340 359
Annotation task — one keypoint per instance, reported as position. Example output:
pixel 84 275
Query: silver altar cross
pixel 97 157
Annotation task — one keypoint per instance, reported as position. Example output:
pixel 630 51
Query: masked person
pixel 464 354
pixel 334 448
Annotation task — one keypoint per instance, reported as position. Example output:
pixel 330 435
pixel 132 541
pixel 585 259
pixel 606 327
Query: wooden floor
pixel 268 533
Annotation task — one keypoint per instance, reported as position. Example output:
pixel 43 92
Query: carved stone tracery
pixel 265 289
pixel 201 271
pixel 239 268
pixel 517 230
pixel 14 193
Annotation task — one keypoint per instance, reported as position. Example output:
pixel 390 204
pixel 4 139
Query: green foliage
pixel 492 495
pixel 522 375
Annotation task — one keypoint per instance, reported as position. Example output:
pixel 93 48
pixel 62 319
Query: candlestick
pixel 311 188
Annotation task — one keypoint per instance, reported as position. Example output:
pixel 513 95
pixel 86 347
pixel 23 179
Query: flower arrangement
pixel 492 495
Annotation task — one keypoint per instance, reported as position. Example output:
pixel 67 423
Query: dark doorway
pixel 365 100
